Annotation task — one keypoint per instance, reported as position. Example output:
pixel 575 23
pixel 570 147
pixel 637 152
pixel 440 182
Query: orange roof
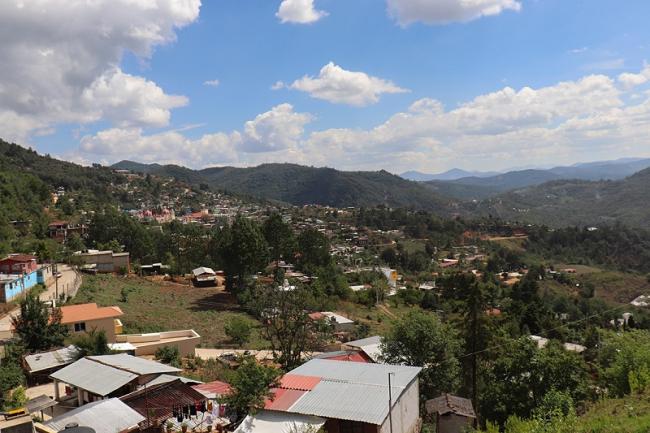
pixel 298 382
pixel 83 312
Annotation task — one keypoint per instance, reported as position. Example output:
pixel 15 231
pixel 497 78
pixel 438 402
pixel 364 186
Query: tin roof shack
pixel 452 414
pixel 204 277
pixel 39 366
pixel 98 377
pixel 147 344
pixel 339 323
pixel 86 317
pixel 105 262
pixel 103 416
pixel 159 402
pixel 352 396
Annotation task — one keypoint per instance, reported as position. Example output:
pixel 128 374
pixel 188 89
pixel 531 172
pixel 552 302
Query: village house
pixel 103 416
pixel 87 317
pixel 105 261
pixel 61 231
pixel 204 277
pixel 147 344
pixel 370 347
pixel 18 274
pixel 339 323
pixel 343 397
pixel 99 377
pixel 452 414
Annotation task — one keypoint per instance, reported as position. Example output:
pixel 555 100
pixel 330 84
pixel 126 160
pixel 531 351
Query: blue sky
pixel 411 84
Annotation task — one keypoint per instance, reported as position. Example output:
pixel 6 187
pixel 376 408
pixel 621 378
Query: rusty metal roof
pixel 448 403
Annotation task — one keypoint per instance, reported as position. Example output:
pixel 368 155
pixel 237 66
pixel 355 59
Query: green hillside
pixel 575 202
pixel 299 185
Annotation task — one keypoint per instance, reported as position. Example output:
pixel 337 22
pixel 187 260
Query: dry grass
pixel 161 306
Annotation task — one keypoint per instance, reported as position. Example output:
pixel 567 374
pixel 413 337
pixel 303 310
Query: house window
pixel 80 327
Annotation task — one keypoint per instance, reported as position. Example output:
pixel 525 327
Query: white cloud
pixel 406 12
pixel 629 80
pixel 277 130
pixel 335 84
pixel 594 117
pixel 299 12
pixel 60 61
pixel 212 83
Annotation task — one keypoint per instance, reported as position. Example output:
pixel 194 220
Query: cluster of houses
pixel 19 273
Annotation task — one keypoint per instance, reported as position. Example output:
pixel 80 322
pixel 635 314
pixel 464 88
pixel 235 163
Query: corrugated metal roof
pixel 166 378
pixel 55 358
pixel 296 381
pixel 352 390
pixel 278 422
pixel 357 372
pixel 283 399
pixel 213 389
pixel 39 403
pixel 133 364
pixel 371 346
pixel 365 341
pixel 347 401
pixel 105 416
pixel 94 377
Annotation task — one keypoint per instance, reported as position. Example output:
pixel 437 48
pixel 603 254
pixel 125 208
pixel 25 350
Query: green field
pixel 628 415
pixel 153 307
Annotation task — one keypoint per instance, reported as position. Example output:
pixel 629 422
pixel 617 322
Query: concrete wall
pixel 147 344
pixel 107 261
pixel 406 411
pixel 107 325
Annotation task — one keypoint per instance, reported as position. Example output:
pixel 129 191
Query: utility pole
pixel 390 403
pixel 56 283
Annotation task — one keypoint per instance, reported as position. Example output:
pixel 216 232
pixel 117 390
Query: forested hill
pixel 575 202
pixel 301 185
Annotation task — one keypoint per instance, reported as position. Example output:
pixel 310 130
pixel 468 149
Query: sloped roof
pixel 139 366
pixel 104 416
pixel 94 377
pixel 351 391
pixel 448 403
pixel 213 389
pixel 52 359
pixel 83 312
pixel 203 270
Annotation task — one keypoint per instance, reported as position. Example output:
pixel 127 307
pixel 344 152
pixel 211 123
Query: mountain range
pixel 481 187
pixel 300 185
pixel 589 194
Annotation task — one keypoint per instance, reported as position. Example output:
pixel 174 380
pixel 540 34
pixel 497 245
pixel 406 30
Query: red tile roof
pixel 20 258
pixel 351 356
pixel 301 383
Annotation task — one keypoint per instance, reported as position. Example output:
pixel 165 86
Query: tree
pixel 287 326
pixel 250 387
pixel 421 339
pixel 239 330
pixel 279 237
pixel 37 328
pixel 15 399
pixel 92 343
pixel 243 250
pixel 169 355
pixel 314 249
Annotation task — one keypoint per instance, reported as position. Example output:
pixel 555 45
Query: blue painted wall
pixel 20 285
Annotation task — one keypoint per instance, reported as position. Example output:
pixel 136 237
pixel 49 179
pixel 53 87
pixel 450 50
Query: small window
pixel 80 327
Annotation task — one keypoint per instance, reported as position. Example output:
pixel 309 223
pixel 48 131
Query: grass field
pixel 152 307
pixel 628 415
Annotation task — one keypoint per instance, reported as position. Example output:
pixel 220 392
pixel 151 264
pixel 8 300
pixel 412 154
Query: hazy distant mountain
pixel 477 188
pixel 453 174
pixel 299 185
pixel 576 202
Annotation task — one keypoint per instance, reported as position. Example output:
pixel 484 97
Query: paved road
pixel 68 283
